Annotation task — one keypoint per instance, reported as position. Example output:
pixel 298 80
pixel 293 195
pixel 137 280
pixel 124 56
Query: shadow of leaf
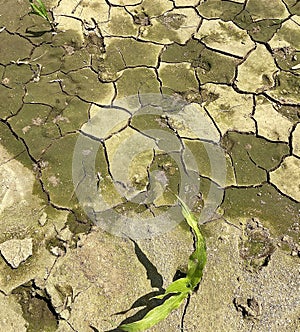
pixel 153 275
pixel 146 300
pixel 38 33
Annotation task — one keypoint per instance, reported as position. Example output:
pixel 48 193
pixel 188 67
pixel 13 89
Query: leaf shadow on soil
pixel 147 300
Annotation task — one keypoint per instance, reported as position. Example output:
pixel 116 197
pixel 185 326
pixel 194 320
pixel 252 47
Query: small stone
pixel 65 314
pixel 296 67
pixel 65 235
pixel 43 219
pixel 294 253
pixel 16 251
pixel 56 251
pixel 5 81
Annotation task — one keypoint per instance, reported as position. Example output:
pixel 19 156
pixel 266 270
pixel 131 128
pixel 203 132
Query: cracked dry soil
pixel 238 64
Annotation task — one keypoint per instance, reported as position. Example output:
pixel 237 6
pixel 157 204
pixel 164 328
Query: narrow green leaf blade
pixel 197 259
pixel 181 285
pixel 155 315
pixel 42 8
pixel 196 265
pixel 36 11
pixel 191 220
pixel 39 10
pixel 180 288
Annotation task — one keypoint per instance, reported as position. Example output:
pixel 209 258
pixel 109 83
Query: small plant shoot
pixel 38 8
pixel 181 288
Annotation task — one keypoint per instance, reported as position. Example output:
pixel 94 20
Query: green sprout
pixel 38 8
pixel 181 288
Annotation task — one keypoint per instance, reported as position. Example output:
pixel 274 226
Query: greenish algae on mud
pixel 253 157
pixel 36 311
pixel 274 210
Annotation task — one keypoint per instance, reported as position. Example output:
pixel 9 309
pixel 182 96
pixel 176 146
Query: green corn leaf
pixel 155 315
pixel 196 264
pixel 180 288
pixel 181 285
pixel 197 259
pixel 189 217
pixel 43 8
pixel 39 9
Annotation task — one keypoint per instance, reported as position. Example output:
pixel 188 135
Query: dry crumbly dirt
pixel 231 71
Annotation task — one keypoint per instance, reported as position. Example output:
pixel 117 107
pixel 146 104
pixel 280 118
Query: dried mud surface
pixel 237 63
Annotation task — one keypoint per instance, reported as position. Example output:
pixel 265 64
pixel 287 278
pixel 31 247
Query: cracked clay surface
pixel 233 68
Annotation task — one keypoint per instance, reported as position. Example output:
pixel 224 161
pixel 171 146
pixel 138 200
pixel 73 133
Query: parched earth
pixel 104 118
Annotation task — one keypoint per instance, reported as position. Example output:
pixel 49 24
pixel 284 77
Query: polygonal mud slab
pixel 75 59
pixel 213 67
pixel 225 37
pixel 287 58
pixel 135 152
pixel 182 53
pixel 254 75
pixel 296 141
pixel 124 2
pixel 152 8
pixel 293 6
pixel 16 49
pixel 225 10
pixel 83 10
pixel 46 90
pixel 57 173
pixel 121 24
pixel 287 88
pixel 36 121
pixel 210 66
pixel 264 9
pixel 15 251
pixel 14 14
pixel 123 53
pixel 287 36
pixel 194 123
pixel 230 110
pixel 16 75
pixel 270 123
pixel 85 84
pixel 286 177
pixel 143 80
pixel 177 77
pixel 48 57
pixel 274 210
pixel 252 157
pixel 177 25
pixel 13 100
pixel 184 3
